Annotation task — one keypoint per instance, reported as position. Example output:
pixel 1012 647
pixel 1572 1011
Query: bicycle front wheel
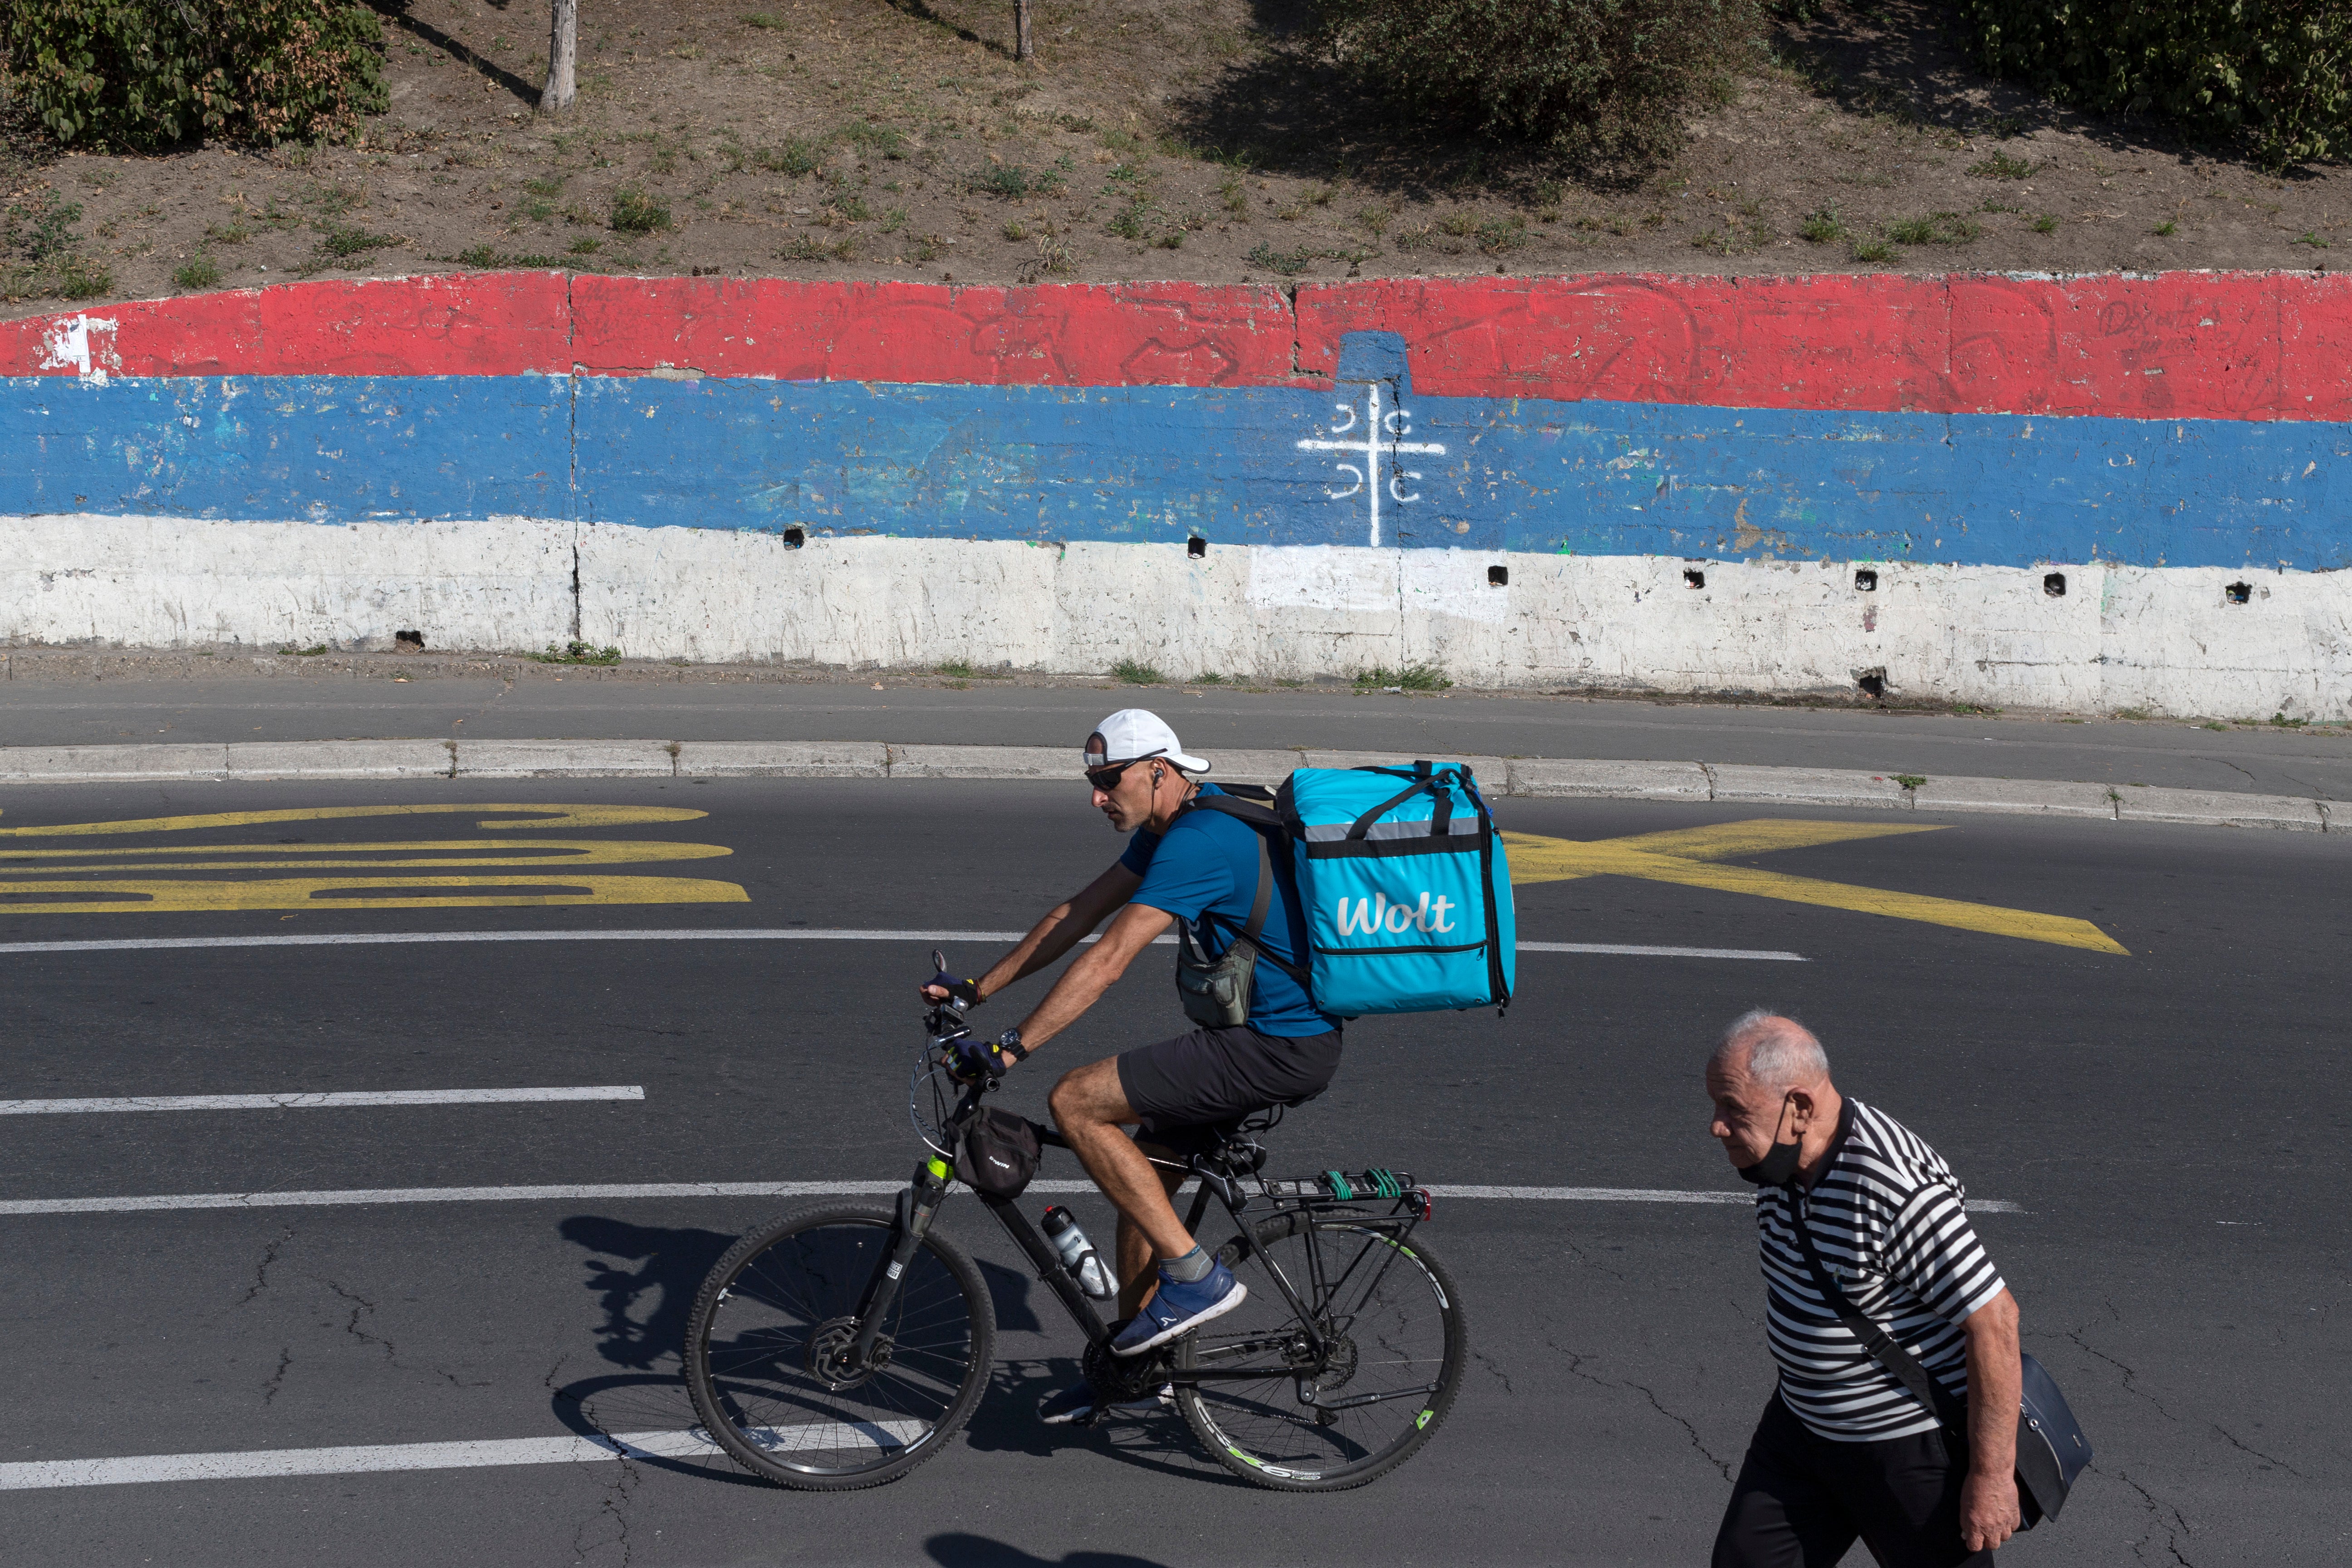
pixel 1350 1402
pixel 762 1351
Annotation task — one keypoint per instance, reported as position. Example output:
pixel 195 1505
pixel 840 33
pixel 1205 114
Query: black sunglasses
pixel 1106 779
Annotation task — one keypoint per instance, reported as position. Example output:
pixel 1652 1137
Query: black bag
pixel 998 1156
pixel 2051 1447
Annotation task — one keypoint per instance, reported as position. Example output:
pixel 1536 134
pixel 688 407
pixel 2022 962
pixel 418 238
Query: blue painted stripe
pixel 1158 463
pixel 329 448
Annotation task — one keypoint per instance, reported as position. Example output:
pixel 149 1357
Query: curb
pixel 1523 777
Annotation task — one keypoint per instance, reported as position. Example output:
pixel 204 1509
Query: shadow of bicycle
pixel 958 1549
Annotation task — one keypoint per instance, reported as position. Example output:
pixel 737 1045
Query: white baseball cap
pixel 1132 734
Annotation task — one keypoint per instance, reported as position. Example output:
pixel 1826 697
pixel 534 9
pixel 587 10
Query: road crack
pixel 2131 1384
pixel 2232 1438
pixel 1576 1361
pixel 2160 1509
pixel 363 1310
pixel 277 1379
pixel 261 1271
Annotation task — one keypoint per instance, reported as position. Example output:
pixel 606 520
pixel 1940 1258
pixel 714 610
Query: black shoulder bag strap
pixel 1905 1367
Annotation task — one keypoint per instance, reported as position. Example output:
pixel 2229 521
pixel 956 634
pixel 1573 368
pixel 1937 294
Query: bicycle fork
pixel 916 1205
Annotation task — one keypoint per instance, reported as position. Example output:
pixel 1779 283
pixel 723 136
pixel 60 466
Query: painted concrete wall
pixel 903 474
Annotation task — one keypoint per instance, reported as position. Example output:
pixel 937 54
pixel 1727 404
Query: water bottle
pixel 1084 1266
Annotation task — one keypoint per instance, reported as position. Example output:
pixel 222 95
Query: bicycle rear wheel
pixel 1394 1341
pixel 784 1298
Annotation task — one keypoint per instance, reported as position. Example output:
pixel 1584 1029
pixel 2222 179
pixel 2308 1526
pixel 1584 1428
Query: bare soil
pixel 1193 139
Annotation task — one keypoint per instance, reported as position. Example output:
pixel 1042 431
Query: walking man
pixel 1844 1450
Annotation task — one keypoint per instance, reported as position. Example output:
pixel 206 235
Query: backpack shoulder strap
pixel 1263 819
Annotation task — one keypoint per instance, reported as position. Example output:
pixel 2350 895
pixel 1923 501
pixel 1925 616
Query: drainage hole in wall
pixel 2054 584
pixel 1196 547
pixel 1873 683
pixel 1866 582
pixel 1693 579
pixel 2238 593
pixel 796 537
pixel 1499 576
pixel 409 640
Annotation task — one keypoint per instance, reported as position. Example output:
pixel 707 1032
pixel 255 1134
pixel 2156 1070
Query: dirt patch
pixel 897 139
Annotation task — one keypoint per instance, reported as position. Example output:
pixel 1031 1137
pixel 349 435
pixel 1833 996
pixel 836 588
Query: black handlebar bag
pixel 999 1154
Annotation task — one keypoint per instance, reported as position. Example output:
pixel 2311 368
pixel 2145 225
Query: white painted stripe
pixel 378 939
pixel 329 1101
pixel 1621 951
pixel 262 1462
pixel 140 1205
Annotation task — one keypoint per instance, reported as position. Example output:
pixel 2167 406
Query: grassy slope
pixel 870 139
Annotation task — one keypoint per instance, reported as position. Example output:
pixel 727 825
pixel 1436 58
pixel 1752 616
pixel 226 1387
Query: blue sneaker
pixel 1178 1308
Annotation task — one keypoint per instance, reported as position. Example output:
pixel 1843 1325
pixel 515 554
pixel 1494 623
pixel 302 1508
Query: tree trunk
pixel 1023 49
pixel 563 49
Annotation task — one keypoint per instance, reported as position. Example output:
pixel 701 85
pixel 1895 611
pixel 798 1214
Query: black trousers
pixel 1802 1501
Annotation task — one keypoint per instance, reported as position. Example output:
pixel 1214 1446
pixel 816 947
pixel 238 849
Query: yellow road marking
pixel 482 852
pixel 1724 840
pixel 310 893
pixel 29 877
pixel 1538 860
pixel 547 815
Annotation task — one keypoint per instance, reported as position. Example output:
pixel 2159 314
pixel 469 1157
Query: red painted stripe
pixel 2180 345
pixel 504 323
pixel 1129 334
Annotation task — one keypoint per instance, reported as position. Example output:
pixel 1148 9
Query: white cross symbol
pixel 1397 422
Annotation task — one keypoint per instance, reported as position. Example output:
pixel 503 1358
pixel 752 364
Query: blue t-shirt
pixel 1207 864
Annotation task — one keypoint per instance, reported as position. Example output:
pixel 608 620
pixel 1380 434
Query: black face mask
pixel 1777 1169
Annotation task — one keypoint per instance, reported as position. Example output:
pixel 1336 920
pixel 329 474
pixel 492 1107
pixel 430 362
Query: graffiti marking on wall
pixel 1381 433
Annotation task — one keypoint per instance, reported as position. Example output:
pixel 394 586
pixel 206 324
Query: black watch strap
pixel 1010 1043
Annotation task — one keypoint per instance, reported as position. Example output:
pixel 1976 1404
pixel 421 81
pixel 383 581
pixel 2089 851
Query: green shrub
pixel 633 211
pixel 144 73
pixel 202 272
pixel 1607 80
pixel 2275 72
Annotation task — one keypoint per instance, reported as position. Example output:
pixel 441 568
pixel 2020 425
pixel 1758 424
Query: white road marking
pixel 791 933
pixel 329 1100
pixel 358 1196
pixel 27 1475
pixel 1621 951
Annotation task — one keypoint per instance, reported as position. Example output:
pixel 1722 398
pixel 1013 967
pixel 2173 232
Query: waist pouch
pixel 999 1154
pixel 1216 991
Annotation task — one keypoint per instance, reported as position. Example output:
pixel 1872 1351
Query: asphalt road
pixel 2170 1122
pixel 2164 753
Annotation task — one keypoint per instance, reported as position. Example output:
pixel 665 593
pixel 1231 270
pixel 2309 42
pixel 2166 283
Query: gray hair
pixel 1782 1053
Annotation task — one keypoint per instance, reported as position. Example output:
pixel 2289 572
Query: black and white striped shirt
pixel 1886 1218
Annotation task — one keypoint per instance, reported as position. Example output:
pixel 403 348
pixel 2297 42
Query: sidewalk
pixel 166 699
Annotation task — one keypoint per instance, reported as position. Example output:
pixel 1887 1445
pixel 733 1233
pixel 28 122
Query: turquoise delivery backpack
pixel 1405 884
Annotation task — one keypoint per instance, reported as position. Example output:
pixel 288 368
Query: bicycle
pixel 841 1346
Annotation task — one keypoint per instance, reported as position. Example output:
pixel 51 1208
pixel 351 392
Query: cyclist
pixel 1202 868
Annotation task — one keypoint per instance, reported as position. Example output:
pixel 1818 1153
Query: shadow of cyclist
pixel 958 1549
pixel 671 1264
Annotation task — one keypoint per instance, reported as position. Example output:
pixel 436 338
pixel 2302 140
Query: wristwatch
pixel 1009 1044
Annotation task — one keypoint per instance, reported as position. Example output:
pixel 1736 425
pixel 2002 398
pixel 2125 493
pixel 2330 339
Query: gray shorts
pixel 1214 1076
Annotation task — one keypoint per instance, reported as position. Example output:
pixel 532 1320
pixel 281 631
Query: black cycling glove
pixel 964 994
